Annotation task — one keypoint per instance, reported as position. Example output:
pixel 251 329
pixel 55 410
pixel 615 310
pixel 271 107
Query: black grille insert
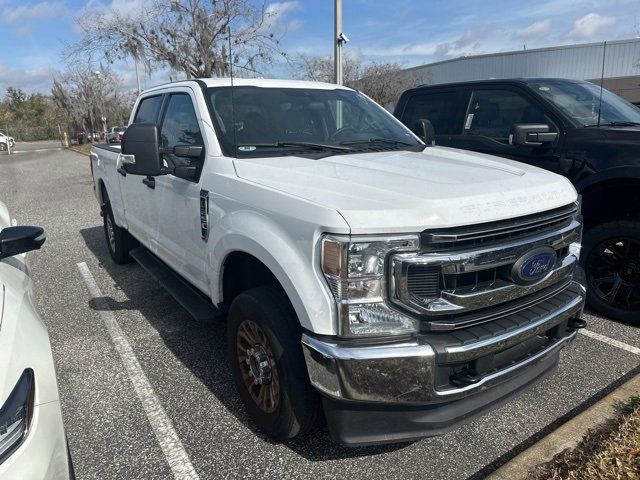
pixel 424 281
pixel 501 231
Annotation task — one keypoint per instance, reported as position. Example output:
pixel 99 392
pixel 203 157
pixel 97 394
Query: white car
pixel 3 141
pixel 32 439
pixel 115 134
pixel 403 287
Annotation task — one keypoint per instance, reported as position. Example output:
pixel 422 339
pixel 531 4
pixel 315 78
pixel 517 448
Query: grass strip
pixel 610 452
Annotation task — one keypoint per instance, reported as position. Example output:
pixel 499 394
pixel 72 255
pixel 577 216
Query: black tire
pixel 297 408
pixel 119 241
pixel 611 258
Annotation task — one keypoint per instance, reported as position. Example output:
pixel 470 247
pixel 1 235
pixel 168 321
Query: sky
pixel 35 35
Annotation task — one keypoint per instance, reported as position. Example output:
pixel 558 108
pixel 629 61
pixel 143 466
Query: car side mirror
pixel 425 131
pixel 22 239
pixel 141 141
pixel 531 135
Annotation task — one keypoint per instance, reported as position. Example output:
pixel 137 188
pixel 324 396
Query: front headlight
pixel 355 270
pixel 16 414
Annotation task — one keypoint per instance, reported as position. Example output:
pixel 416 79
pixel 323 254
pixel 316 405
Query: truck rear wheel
pixel 611 257
pixel 268 366
pixel 119 241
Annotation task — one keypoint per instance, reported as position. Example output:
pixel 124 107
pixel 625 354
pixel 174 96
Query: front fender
pixel 616 173
pixel 291 255
pixel 5 219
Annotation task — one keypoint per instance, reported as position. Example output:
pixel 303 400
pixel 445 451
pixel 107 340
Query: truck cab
pixel 399 288
pixel 573 128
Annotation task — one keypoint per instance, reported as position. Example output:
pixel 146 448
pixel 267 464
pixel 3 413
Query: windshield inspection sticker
pixel 246 148
pixel 544 88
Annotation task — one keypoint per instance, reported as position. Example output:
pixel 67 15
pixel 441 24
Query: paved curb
pixel 78 151
pixel 567 436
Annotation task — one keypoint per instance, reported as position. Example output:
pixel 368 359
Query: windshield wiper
pixel 379 140
pixel 618 123
pixel 317 146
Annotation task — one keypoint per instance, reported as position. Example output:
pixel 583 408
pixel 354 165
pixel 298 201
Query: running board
pixel 192 300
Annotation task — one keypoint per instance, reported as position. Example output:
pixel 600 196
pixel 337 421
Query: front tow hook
pixel 577 323
pixel 464 379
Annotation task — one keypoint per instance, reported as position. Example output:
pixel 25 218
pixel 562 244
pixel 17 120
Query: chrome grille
pixel 455 283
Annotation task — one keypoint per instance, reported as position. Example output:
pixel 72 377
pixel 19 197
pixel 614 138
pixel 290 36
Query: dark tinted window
pixel 148 110
pixel 445 111
pixel 180 127
pixel 492 113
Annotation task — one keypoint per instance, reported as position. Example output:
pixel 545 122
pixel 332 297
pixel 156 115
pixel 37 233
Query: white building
pixel 579 62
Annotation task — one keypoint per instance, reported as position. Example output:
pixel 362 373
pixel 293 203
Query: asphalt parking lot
pixel 110 433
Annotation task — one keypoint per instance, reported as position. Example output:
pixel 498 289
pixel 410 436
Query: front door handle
pixel 149 182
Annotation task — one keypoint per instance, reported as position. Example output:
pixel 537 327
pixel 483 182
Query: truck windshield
pixel 303 121
pixel 581 102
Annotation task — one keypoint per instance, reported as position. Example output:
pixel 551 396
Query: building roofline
pixel 522 52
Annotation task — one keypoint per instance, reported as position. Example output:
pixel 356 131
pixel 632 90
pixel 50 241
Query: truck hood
pixel 402 191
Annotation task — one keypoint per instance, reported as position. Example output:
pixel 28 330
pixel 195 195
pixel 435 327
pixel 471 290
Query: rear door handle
pixel 122 171
pixel 149 182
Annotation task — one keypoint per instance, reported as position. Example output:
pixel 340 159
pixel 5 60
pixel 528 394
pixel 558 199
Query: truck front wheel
pixel 611 257
pixel 119 241
pixel 268 366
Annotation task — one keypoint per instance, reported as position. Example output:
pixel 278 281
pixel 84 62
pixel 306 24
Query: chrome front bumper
pixel 415 372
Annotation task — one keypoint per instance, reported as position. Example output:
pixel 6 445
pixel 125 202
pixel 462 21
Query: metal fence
pixel 29 133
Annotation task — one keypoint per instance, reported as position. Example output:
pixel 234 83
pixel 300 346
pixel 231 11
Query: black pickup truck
pixel 574 128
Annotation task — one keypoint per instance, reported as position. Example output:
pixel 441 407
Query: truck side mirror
pixel 17 240
pixel 425 132
pixel 142 141
pixel 531 135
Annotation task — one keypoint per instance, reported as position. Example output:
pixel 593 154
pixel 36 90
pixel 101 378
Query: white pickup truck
pixel 402 288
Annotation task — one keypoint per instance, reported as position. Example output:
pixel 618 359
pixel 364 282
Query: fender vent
pixel 204 214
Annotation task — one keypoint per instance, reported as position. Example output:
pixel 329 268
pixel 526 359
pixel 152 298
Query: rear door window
pixel 148 110
pixel 445 111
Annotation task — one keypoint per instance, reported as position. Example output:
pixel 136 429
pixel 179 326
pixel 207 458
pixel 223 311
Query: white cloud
pixel 411 49
pixel 281 8
pixel 590 25
pixel 469 43
pixel 37 11
pixel 23 17
pixel 535 30
pixel 30 80
pixel 275 21
pixel 123 7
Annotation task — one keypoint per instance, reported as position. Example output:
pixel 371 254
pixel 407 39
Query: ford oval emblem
pixel 533 265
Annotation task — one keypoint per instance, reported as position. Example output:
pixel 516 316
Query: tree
pixel 382 81
pixel 29 116
pixel 86 93
pixel 188 36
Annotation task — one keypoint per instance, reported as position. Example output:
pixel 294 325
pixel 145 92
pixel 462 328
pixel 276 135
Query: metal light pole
pixel 337 42
pixel 137 73
pixel 98 74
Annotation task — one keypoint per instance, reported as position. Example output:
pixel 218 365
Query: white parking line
pixel 611 341
pixel 167 437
